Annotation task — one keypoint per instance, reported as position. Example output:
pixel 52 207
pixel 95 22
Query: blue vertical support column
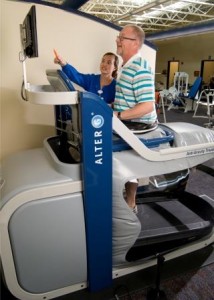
pixel 96 120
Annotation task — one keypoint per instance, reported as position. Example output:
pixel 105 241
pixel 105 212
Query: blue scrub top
pixel 91 83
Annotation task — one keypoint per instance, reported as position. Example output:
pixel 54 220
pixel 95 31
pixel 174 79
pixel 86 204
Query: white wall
pixel 80 41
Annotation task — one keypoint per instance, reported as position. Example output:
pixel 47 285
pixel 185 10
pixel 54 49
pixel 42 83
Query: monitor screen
pixel 29 34
pixel 59 81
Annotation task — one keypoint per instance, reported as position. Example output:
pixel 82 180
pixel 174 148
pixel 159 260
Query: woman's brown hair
pixel 116 63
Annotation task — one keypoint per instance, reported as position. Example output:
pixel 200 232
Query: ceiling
pixel 154 16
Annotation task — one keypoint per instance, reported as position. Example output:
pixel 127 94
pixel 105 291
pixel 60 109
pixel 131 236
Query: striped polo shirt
pixel 135 84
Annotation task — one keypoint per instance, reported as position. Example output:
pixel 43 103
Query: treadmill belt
pixel 168 220
pixel 170 223
pixel 206 169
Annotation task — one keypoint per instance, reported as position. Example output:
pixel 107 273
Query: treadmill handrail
pixel 44 94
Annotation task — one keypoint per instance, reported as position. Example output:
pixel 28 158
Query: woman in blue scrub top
pixel 102 84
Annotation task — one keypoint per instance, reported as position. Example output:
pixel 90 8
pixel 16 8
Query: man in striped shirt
pixel 135 91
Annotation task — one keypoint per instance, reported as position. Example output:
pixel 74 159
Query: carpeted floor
pixel 198 284
pixel 194 285
pixel 178 115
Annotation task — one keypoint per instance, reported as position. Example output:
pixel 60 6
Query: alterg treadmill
pixel 65 224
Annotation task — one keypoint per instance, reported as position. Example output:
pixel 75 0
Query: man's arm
pixel 137 111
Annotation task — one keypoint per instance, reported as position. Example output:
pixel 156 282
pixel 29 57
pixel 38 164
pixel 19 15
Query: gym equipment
pixel 187 101
pixel 206 98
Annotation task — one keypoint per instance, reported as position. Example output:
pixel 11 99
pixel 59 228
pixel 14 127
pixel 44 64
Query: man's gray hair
pixel 139 32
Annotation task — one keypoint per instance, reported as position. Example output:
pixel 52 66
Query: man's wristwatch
pixel 119 115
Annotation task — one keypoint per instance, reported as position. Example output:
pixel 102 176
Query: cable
pixel 23 94
pixel 22 58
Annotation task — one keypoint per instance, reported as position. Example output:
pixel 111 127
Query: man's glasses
pixel 121 38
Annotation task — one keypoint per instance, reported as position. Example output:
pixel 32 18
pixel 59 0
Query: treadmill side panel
pixel 48 242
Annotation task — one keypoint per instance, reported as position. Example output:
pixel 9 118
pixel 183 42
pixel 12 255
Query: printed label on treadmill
pixel 97 122
pixel 200 151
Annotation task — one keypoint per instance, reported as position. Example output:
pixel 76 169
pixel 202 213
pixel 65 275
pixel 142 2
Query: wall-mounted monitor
pixel 29 34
